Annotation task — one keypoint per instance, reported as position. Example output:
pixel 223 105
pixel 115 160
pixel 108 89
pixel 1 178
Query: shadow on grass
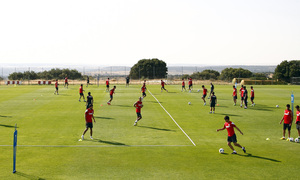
pixel 98 117
pixel 160 129
pixel 123 105
pixel 259 157
pixel 5 116
pixel 27 176
pixel 155 102
pixel 8 126
pixel 261 108
pixel 110 142
pixel 229 114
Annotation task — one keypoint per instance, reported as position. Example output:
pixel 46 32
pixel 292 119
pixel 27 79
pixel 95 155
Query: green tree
pixel 229 73
pixel 149 68
pixel 206 75
pixel 287 69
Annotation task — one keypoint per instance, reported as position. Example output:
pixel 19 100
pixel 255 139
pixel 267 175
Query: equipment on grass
pixel 291 139
pixel 15 149
pixel 277 106
pixel 189 103
pixel 221 150
pixel 198 90
pixel 296 140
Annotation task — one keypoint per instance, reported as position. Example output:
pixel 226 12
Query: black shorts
pixel 139 115
pixel 234 97
pixel 232 139
pixel 111 96
pixel 298 126
pixel 242 98
pixel 81 94
pixel 183 86
pixel 107 86
pixel 204 95
pixel 190 85
pixel 56 88
pixel 87 106
pixel 212 104
pixel 252 98
pixel 66 83
pixel 144 94
pixel 89 125
pixel 286 126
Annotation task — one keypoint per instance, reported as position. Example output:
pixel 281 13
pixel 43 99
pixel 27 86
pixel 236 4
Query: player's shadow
pixel 8 126
pixel 110 142
pixel 259 157
pixel 27 176
pixel 98 117
pixel 229 114
pixel 261 108
pixel 5 116
pixel 123 105
pixel 159 129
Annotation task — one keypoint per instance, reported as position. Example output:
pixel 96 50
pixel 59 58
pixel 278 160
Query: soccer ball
pixel 189 103
pixel 297 140
pixel 198 90
pixel 277 106
pixel 291 139
pixel 221 150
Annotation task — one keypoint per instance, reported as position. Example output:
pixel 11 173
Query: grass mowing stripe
pixel 172 118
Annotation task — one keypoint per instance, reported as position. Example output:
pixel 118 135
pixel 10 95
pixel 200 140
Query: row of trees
pixel 287 69
pixel 47 75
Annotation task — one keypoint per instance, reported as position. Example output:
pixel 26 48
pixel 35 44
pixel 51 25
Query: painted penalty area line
pixel 172 118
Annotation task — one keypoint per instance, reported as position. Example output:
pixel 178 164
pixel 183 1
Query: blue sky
pixel 121 32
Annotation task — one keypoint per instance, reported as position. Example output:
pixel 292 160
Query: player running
pixel 81 93
pixel 66 82
pixel 252 96
pixel 89 100
pixel 242 95
pixel 138 106
pixel 288 119
pixel 111 94
pixel 89 116
pixel 56 87
pixel 143 90
pixel 234 95
pixel 190 84
pixel 162 83
pixel 298 121
pixel 204 94
pixel 213 102
pixel 107 85
pixel 183 85
pixel 231 134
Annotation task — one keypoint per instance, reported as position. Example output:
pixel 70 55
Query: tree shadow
pixel 98 117
pixel 27 176
pixel 160 129
pixel 259 157
pixel 111 142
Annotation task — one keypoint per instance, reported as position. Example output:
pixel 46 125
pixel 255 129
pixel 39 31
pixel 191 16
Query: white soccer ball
pixel 291 139
pixel 297 140
pixel 221 150
pixel 277 106
pixel 198 90
pixel 189 103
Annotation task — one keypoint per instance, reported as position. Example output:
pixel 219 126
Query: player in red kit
pixel 298 121
pixel 107 84
pixel 183 85
pixel 89 117
pixel 81 93
pixel 234 95
pixel 252 96
pixel 288 119
pixel 138 106
pixel 143 89
pixel 162 83
pixel 242 95
pixel 204 94
pixel 111 94
pixel 56 87
pixel 66 82
pixel 190 84
pixel 229 126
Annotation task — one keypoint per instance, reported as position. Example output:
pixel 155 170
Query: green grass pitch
pixel 49 127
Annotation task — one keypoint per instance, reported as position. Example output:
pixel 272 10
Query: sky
pixel 121 32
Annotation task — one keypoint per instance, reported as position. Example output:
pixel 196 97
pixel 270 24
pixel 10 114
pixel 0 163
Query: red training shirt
pixel 138 106
pixel 252 92
pixel 183 83
pixel 287 116
pixel 204 91
pixel 229 127
pixel 112 91
pixel 88 115
pixel 107 82
pixel 80 89
pixel 234 91
pixel 298 117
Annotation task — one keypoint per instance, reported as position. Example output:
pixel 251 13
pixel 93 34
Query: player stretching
pixel 242 95
pixel 183 85
pixel 234 95
pixel 204 94
pixel 56 87
pixel 212 87
pixel 81 93
pixel 143 89
pixel 288 119
pixel 213 102
pixel 111 94
pixel 89 100
pixel 190 84
pixel 298 121
pixel 231 134
pixel 89 116
pixel 66 82
pixel 252 96
pixel 138 105
pixel 162 86
pixel 107 84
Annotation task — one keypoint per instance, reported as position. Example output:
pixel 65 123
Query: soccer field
pixel 174 140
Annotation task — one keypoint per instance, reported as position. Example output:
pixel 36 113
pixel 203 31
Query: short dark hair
pixel 226 117
pixel 288 105
pixel 89 93
pixel 297 106
pixel 202 85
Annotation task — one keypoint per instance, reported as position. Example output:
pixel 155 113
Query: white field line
pixel 96 146
pixel 172 118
